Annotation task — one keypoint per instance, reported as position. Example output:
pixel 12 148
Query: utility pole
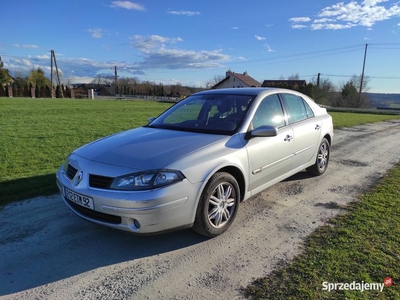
pixel 115 80
pixel 53 57
pixel 362 74
pixel 51 72
pixel 318 78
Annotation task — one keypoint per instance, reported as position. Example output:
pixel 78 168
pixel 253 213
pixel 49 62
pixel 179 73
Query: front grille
pixel 92 214
pixel 71 171
pixel 100 182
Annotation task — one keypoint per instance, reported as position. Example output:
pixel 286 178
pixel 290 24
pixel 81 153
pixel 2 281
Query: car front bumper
pixel 141 212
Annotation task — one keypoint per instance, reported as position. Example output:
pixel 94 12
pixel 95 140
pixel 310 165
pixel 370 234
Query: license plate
pixel 79 199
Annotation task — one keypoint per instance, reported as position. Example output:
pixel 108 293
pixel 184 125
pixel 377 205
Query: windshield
pixel 220 114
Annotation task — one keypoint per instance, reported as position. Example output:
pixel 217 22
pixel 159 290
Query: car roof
pixel 253 91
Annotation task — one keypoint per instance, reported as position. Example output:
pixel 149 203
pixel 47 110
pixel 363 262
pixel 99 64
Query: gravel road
pixel 46 252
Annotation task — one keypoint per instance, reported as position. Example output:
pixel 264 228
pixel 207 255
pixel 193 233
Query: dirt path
pixel 49 253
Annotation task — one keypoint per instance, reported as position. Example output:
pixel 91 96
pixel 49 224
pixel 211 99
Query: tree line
pixel 323 91
pixel 35 82
pixel 130 86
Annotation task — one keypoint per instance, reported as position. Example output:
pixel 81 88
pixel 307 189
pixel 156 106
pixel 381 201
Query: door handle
pixel 317 127
pixel 288 138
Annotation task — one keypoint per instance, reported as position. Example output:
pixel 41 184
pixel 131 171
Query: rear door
pixel 306 128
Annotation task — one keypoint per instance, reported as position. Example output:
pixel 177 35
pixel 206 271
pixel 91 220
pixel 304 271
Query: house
pixel 236 80
pixel 289 84
pixel 105 91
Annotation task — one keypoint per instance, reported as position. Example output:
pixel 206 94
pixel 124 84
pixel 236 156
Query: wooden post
pixel 33 92
pixel 9 91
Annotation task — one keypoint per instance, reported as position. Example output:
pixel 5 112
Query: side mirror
pixel 151 119
pixel 263 131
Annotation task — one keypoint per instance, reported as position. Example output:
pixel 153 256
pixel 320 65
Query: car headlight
pixel 65 164
pixel 146 180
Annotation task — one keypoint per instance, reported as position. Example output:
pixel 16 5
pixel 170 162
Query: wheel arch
pixel 238 175
pixel 329 138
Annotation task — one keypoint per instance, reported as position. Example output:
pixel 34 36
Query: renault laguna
pixel 194 164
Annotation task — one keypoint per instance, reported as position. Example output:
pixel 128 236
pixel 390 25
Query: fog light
pixel 136 223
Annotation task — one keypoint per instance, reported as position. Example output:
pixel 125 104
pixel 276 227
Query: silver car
pixel 194 164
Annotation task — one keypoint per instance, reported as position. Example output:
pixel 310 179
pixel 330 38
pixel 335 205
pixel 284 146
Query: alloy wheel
pixel 221 205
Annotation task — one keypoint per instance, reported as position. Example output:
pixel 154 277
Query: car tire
pixel 322 160
pixel 218 205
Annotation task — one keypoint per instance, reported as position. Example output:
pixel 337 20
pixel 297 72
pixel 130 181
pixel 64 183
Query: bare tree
pixel 294 77
pixel 103 80
pixel 216 79
pixel 127 81
pixel 69 81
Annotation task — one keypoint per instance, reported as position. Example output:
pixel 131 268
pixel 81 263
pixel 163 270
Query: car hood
pixel 146 148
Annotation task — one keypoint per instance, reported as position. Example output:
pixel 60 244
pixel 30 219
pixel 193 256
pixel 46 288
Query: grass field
pixel 36 135
pixel 361 246
pixel 343 119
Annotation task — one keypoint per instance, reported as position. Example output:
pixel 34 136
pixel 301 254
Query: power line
pixel 312 54
pixel 319 53
pixel 349 76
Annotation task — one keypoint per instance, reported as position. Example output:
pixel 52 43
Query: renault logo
pixel 78 178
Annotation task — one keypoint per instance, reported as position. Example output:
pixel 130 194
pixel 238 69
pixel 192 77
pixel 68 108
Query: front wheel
pixel 321 163
pixel 218 205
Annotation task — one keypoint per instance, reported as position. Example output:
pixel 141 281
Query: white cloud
pixel 127 5
pixel 26 62
pixel 269 48
pixel 331 26
pixel 298 26
pixel 183 59
pixel 300 19
pixel 96 32
pixel 365 14
pixel 235 28
pixel 323 20
pixel 259 38
pixel 157 55
pixel 155 52
pixel 77 68
pixel 183 13
pixel 347 15
pixel 28 46
pixel 146 43
pixel 79 79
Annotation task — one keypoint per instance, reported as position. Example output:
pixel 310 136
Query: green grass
pixel 345 119
pixel 36 135
pixel 363 245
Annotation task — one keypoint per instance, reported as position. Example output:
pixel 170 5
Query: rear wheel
pixel 321 163
pixel 218 205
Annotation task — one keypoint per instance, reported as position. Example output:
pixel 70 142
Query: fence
pixel 36 92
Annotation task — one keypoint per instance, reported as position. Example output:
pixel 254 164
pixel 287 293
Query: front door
pixel 269 157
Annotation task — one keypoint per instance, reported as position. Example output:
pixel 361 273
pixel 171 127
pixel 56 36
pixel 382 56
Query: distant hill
pixel 384 100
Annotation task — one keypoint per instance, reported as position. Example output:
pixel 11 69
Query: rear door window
pixel 297 109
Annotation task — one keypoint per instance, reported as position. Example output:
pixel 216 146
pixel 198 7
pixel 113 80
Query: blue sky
pixel 192 41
